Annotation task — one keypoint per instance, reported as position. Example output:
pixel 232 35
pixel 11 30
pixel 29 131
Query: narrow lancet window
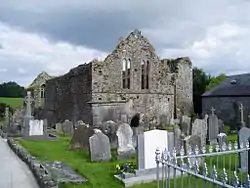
pixel 126 67
pixel 42 91
pixel 145 74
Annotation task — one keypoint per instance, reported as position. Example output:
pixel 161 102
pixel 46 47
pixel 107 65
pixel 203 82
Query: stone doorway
pixel 135 121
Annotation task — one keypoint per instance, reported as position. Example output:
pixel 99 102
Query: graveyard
pixel 77 155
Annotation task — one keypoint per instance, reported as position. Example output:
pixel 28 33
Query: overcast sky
pixel 56 35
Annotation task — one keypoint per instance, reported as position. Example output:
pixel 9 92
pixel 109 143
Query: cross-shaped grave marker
pixel 212 110
pixel 28 100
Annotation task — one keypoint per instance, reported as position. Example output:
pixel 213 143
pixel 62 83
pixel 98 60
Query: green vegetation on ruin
pixel 99 174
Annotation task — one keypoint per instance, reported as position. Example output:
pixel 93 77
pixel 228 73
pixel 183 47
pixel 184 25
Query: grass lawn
pixel 99 174
pixel 12 102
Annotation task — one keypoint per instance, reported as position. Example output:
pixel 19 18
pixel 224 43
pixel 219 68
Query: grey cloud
pixel 96 27
pixel 99 23
pixel 13 75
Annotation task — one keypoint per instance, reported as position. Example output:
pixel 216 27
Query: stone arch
pixel 42 91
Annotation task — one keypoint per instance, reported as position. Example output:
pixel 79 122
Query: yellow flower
pixel 118 167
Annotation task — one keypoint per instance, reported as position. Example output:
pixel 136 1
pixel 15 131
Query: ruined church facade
pixel 130 80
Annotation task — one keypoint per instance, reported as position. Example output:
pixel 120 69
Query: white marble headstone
pixel 35 127
pixel 148 142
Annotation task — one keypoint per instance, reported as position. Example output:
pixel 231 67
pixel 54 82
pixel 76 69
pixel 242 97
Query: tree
pixel 11 90
pixel 200 82
pixel 215 81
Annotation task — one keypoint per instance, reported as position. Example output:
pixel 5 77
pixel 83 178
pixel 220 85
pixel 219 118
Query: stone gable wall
pixel 67 96
pixel 101 81
pixel 107 78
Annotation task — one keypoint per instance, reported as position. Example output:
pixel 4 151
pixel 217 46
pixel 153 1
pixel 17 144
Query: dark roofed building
pixel 225 97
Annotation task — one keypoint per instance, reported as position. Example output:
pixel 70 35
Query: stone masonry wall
pixel 224 108
pixel 101 82
pixel 107 77
pixel 184 85
pixel 67 96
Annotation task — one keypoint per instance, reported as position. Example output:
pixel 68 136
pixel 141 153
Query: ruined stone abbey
pixel 130 80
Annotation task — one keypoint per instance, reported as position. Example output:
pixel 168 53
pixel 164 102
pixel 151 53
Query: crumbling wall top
pixel 40 79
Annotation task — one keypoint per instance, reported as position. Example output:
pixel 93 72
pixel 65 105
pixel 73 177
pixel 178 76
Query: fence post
pixel 157 159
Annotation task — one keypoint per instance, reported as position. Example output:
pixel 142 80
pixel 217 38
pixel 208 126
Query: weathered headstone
pixel 248 124
pixel 148 142
pixel 177 138
pixel 7 115
pixel 80 139
pixel 185 123
pixel 192 142
pixel 243 136
pixel 136 132
pixel 213 127
pixel 221 126
pixel 59 127
pixel 171 141
pixel 222 140
pixel 80 123
pixel 200 128
pixel 99 147
pixel 109 128
pixel 125 141
pixel 67 128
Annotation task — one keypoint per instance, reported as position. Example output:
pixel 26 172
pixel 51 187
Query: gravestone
pixel 171 141
pixel 185 123
pixel 99 147
pixel 243 136
pixel 241 109
pixel 59 127
pixel 7 115
pixel 221 126
pixel 109 128
pixel 222 139
pixel 125 141
pixel 200 128
pixel 80 123
pixel 248 123
pixel 67 128
pixel 213 127
pixel 28 116
pixel 18 116
pixel 80 139
pixel 148 142
pixel 45 124
pixel 191 142
pixel 36 128
pixel 177 138
pixel 136 132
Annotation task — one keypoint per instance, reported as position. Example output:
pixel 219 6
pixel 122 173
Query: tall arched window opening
pixel 126 67
pixel 42 91
pixel 145 74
